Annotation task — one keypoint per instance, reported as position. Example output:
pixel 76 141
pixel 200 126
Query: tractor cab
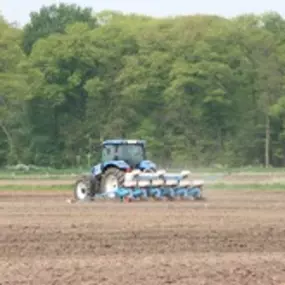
pixel 130 151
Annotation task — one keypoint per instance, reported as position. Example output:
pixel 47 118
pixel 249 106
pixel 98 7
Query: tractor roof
pixel 121 141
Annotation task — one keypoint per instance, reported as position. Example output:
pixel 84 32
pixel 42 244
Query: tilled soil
pixel 236 237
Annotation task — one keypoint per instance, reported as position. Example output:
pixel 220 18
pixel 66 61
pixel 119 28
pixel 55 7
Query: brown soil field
pixel 233 238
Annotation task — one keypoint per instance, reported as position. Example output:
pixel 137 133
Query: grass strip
pixel 49 172
pixel 39 176
pixel 72 176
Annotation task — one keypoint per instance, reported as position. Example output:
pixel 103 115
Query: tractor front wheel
pixel 85 188
pixel 112 179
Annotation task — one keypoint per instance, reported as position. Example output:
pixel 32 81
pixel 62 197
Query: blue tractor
pixel 118 157
pixel 123 161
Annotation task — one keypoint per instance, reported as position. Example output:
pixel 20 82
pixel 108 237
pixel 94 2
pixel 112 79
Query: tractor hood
pixel 146 164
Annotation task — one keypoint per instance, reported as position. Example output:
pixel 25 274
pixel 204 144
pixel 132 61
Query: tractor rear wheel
pixel 85 188
pixel 111 180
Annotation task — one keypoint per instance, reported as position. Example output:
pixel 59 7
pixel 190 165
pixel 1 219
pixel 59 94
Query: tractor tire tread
pixel 115 171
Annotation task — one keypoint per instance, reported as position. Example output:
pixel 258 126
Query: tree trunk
pixel 220 139
pixel 9 139
pixel 267 141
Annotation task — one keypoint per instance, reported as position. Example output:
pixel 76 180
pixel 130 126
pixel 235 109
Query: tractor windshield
pixel 130 153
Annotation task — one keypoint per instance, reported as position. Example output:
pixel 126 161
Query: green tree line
pixel 201 89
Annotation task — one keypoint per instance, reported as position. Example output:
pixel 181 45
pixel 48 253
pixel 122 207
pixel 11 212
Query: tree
pixel 13 88
pixel 54 19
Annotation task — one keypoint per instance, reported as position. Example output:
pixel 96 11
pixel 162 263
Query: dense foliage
pixel 201 90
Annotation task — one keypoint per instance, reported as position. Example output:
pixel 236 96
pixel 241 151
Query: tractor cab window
pixel 131 153
pixel 109 153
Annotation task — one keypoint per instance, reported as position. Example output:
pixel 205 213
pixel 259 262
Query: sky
pixel 18 10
